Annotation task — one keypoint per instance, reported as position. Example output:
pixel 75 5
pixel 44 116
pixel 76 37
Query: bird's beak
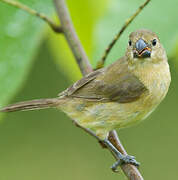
pixel 142 50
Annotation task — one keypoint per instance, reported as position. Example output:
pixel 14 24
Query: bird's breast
pixel 156 78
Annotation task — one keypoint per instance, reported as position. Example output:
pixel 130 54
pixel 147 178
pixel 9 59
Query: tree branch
pixel 130 171
pixel 56 28
pixel 71 37
pixel 118 35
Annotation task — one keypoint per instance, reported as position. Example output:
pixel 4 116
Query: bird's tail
pixel 31 105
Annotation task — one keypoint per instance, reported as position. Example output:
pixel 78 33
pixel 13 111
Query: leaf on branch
pixel 20 37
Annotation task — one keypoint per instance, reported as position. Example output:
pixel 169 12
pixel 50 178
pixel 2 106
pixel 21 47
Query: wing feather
pixel 114 83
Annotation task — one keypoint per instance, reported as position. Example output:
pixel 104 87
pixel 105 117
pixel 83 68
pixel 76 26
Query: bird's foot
pixel 124 159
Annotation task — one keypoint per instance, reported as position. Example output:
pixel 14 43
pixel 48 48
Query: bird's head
pixel 145 46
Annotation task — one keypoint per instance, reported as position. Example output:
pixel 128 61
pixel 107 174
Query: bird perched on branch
pixel 116 96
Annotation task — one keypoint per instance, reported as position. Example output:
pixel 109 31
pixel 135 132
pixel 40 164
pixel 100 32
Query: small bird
pixel 117 96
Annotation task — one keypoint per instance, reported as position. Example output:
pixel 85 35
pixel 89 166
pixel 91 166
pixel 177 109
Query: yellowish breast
pixel 156 78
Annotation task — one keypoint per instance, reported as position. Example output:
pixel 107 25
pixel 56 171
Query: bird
pixel 117 96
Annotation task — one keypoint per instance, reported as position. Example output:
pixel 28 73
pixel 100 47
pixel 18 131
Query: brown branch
pixel 56 28
pixel 72 37
pixel 118 35
pixel 130 171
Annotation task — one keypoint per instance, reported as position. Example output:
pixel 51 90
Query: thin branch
pixel 131 171
pixel 56 28
pixel 118 35
pixel 72 37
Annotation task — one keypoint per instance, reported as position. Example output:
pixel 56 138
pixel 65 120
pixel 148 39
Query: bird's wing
pixel 80 83
pixel 115 83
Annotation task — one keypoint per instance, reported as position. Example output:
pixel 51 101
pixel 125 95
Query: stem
pixel 56 28
pixel 129 170
pixel 118 35
pixel 72 37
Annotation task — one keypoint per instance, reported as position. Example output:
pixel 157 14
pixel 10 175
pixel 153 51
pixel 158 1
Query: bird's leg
pixel 121 158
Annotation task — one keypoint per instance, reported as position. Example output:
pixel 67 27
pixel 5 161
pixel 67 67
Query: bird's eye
pixel 130 43
pixel 154 42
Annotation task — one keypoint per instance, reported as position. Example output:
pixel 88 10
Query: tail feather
pixel 31 105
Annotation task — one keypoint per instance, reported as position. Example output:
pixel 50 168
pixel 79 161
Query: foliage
pixel 20 38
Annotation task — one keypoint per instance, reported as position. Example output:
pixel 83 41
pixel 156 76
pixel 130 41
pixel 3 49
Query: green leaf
pixel 20 37
pixel 158 16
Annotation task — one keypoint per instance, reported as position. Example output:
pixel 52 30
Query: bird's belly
pixel 105 116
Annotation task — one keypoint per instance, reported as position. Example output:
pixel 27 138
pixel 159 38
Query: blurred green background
pixel 36 63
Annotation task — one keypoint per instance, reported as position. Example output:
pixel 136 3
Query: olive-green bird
pixel 116 96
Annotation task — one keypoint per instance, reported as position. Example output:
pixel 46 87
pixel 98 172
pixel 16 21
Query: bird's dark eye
pixel 130 43
pixel 154 42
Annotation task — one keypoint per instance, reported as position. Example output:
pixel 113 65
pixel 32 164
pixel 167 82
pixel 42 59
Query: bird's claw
pixel 125 159
pixel 122 159
pixel 130 160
